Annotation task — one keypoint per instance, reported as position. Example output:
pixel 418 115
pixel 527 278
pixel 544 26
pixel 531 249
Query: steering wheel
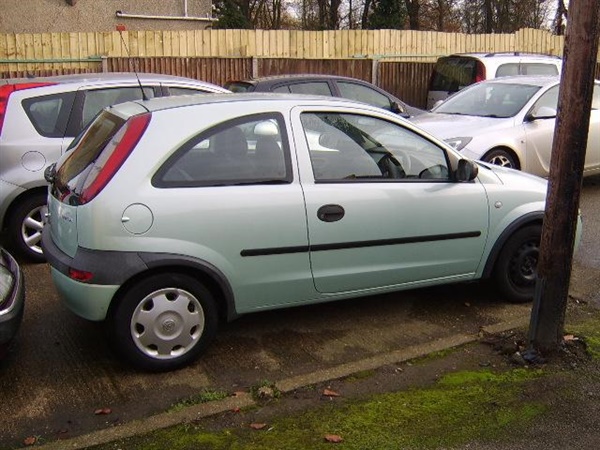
pixel 390 167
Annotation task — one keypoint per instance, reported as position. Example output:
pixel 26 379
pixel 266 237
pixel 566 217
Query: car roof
pixel 535 80
pixel 114 77
pixel 506 55
pixel 179 101
pixel 296 76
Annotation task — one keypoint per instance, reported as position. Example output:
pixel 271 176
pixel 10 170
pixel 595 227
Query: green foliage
pixel 387 14
pixel 230 15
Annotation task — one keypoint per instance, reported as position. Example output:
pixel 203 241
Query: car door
pixel 592 155
pixel 239 201
pixel 540 134
pixel 382 209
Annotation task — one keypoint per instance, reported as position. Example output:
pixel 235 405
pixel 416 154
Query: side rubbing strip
pixel 358 244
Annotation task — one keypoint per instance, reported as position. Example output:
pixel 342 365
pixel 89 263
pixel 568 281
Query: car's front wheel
pixel 515 271
pixel 500 157
pixel 25 225
pixel 163 322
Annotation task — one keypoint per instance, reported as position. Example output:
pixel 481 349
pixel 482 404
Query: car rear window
pixel 49 114
pixel 453 73
pixel 86 150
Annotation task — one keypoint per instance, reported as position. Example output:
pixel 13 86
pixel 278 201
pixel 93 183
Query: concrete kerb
pixel 245 400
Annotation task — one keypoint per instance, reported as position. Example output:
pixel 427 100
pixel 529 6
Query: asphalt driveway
pixel 61 370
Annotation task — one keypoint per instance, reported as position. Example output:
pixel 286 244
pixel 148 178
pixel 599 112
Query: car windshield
pixel 489 100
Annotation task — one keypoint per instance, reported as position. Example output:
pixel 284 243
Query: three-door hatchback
pixel 40 117
pixel 171 213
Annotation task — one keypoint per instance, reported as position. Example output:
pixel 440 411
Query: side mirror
pixel 544 112
pixel 467 170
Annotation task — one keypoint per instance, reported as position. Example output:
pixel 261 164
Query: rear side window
pixel 251 150
pixel 538 69
pixel 312 88
pixel 522 68
pixel 507 70
pixel 365 94
pixel 452 74
pixel 49 114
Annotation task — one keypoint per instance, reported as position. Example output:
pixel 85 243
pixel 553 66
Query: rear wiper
pixel 50 173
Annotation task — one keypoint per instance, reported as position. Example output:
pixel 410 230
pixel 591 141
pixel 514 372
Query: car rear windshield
pixel 74 170
pixel 453 73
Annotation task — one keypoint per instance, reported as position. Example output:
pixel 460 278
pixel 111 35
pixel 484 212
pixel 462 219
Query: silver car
pixel 509 122
pixel 253 202
pixel 39 118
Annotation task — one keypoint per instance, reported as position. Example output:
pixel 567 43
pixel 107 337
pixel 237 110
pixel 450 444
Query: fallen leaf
pixel 330 393
pixel 570 337
pixel 102 411
pixel 467 304
pixel 30 440
pixel 334 438
pixel 258 426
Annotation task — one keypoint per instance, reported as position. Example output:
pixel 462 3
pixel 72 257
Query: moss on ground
pixel 460 407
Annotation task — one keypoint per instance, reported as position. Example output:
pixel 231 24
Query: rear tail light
pixel 8 89
pixel 124 142
pixel 479 72
pixel 80 275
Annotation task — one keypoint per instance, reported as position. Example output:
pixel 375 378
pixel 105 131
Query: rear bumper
pixel 88 300
pixel 11 312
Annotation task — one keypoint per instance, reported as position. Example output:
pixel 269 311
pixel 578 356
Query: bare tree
pixel 503 16
pixel 413 8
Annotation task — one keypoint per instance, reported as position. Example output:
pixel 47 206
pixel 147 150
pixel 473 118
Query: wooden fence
pixel 399 61
pixel 37 51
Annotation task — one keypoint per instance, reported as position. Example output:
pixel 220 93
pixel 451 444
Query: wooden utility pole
pixel 566 172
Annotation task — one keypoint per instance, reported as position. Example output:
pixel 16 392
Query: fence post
pixel 254 67
pixel 375 72
pixel 104 64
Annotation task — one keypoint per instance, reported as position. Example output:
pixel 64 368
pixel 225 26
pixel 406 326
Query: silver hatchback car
pixel 253 202
pixel 39 118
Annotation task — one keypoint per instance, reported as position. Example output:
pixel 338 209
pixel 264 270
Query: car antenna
pixel 120 29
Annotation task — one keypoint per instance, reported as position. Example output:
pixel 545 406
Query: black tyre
pixel 500 157
pixel 515 271
pixel 25 225
pixel 163 322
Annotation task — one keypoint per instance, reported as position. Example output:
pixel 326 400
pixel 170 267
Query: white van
pixel 454 72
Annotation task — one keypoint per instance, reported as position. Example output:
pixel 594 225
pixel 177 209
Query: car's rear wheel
pixel 25 226
pixel 500 157
pixel 515 271
pixel 163 322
